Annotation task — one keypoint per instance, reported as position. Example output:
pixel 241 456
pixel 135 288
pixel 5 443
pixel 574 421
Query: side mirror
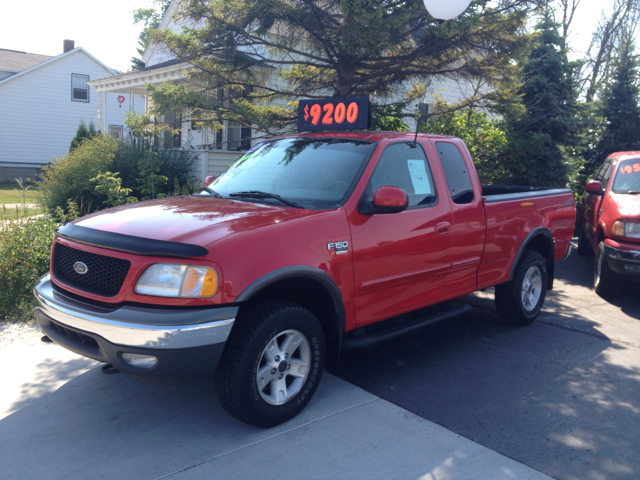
pixel 593 186
pixel 209 179
pixel 389 200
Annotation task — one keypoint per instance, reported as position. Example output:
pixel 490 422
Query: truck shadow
pixel 116 426
pixel 554 395
pixel 577 271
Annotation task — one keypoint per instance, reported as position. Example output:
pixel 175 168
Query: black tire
pixel 584 247
pixel 236 379
pixel 519 301
pixel 603 277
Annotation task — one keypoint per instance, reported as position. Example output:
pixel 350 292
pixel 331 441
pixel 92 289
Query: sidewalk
pixel 19 205
pixel 60 417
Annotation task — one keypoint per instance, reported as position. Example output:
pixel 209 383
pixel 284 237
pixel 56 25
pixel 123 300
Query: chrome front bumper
pixel 153 328
pixel 623 262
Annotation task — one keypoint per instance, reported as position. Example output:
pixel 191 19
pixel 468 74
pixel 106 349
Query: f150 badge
pixel 339 247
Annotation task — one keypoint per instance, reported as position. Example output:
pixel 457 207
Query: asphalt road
pixel 561 395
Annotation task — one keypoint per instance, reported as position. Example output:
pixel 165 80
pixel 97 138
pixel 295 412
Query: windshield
pixel 311 173
pixel 627 177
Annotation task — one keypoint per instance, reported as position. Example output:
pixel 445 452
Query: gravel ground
pixel 10 332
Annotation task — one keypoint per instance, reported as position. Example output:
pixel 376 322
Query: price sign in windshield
pixel 630 168
pixel 333 114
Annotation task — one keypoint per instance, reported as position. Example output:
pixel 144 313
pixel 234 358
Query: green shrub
pixel 89 174
pixel 25 248
pixel 70 177
pixel 150 171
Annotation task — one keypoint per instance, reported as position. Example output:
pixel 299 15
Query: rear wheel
pixel 603 277
pixel 519 301
pixel 272 364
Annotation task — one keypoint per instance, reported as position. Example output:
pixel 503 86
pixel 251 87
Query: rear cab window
pixel 456 172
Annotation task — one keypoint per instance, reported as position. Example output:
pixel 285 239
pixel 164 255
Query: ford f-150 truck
pixel 309 245
pixel 610 220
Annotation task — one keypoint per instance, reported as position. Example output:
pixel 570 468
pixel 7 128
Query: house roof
pixel 48 60
pixel 14 61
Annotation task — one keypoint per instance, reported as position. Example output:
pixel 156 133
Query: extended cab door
pixel 469 221
pixel 401 259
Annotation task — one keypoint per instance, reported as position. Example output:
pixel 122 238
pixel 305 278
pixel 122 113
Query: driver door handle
pixel 443 228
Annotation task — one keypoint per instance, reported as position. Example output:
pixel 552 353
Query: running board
pixel 368 340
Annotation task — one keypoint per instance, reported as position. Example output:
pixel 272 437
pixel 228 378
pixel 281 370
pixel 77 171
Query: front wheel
pixel 519 301
pixel 603 277
pixel 272 364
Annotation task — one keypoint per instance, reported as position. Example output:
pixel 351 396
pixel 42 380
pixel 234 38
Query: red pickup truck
pixel 309 245
pixel 610 220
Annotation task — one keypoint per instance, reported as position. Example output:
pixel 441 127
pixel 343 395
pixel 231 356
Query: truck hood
pixel 197 220
pixel 628 205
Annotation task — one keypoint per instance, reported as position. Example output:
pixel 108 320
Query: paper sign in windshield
pixel 419 177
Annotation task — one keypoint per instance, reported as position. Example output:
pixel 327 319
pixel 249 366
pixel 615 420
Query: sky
pixel 106 30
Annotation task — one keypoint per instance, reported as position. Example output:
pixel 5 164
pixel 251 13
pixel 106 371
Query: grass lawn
pixel 12 193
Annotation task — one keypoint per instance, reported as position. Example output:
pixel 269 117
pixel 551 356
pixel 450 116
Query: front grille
pixel 104 275
pixel 74 336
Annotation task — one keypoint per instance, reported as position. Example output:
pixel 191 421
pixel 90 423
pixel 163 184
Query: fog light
pixel 140 361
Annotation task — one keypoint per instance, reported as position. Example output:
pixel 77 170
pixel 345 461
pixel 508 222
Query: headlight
pixel 626 229
pixel 173 280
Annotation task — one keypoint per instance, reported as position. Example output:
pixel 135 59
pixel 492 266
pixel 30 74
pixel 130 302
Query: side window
pixel 456 172
pixel 79 88
pixel 403 166
pixel 600 175
pixel 607 175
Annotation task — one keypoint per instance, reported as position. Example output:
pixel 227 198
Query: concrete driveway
pixel 61 418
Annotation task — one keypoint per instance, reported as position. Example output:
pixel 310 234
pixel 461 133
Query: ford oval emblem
pixel 80 268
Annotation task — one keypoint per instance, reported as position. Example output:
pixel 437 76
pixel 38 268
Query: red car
pixel 610 218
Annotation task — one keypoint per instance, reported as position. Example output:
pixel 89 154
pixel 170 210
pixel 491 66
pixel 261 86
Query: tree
pixel 620 108
pixel 605 42
pixel 82 133
pixel 539 138
pixel 150 18
pixel 252 60
pixel 568 9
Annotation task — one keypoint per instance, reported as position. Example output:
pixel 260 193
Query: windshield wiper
pixel 213 193
pixel 259 194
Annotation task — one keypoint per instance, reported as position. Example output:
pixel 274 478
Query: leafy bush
pixel 150 171
pixel 70 177
pixel 102 172
pixel 25 247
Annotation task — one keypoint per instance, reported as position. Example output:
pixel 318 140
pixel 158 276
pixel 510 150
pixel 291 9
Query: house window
pixel 235 137
pixel 79 88
pixel 115 131
pixel 172 138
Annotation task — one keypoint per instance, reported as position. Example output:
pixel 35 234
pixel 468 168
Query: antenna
pixel 423 111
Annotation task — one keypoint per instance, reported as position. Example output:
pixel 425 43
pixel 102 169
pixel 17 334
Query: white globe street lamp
pixel 446 9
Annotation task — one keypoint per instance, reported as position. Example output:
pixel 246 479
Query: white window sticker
pixel 419 177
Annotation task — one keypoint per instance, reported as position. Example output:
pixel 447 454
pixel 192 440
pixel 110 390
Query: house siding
pixel 38 119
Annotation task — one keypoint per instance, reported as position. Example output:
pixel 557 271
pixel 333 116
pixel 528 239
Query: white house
pixel 43 99
pixel 216 150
